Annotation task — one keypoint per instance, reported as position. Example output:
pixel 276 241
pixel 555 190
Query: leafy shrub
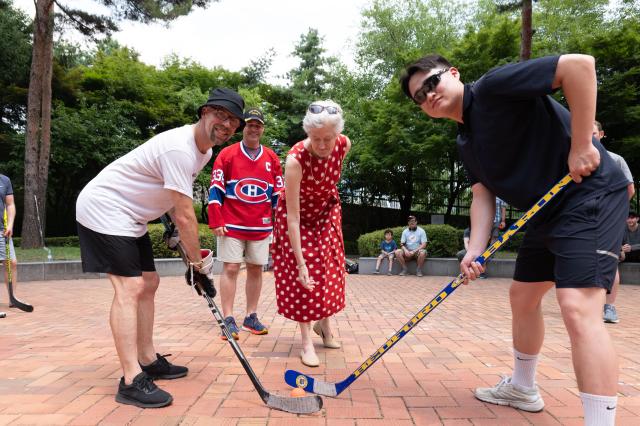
pixel 514 242
pixel 350 247
pixel 444 240
pixel 160 249
pixel 70 241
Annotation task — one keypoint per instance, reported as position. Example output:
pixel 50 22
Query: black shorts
pixel 115 254
pixel 578 247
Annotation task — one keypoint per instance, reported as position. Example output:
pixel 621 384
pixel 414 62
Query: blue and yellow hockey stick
pixel 309 384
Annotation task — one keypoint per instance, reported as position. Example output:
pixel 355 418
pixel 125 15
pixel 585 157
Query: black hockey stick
pixel 13 301
pixel 310 384
pixel 302 405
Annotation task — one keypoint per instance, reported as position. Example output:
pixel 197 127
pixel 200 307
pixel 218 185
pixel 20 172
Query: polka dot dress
pixel 320 237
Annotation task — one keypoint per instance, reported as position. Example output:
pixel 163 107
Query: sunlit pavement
pixel 58 364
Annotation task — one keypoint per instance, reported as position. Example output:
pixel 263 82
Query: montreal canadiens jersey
pixel 244 191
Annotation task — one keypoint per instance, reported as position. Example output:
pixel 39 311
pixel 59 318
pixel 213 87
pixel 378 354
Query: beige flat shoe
pixel 327 341
pixel 309 359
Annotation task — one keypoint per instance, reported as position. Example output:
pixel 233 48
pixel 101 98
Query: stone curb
pixel 496 268
pixel 72 270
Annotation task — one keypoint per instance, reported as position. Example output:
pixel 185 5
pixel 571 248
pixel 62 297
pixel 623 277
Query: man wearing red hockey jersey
pixel 245 183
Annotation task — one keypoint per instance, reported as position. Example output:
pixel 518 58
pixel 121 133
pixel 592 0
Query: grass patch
pixel 40 255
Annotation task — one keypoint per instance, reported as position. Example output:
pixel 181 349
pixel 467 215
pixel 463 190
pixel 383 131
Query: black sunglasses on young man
pixel 428 85
pixel 317 109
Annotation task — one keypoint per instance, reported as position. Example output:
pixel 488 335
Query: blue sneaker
pixel 230 323
pixel 253 325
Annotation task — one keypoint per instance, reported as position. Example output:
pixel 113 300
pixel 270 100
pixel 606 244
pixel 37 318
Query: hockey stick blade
pixel 13 301
pixel 302 405
pixel 310 384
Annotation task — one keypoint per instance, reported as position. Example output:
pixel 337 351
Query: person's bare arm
pixel 11 215
pixel 185 219
pixel 631 190
pixel 576 75
pixel 292 179
pixel 483 209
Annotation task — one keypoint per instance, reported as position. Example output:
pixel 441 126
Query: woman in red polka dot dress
pixel 308 248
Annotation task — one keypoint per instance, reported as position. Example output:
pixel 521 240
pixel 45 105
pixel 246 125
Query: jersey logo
pixel 251 190
pixel 267 166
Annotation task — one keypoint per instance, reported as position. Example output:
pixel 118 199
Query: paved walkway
pixel 58 364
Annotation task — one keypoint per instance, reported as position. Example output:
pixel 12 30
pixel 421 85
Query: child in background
pixel 387 248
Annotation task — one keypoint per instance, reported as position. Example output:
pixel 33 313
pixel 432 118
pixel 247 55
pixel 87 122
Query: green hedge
pixel 160 249
pixel 70 241
pixel 444 240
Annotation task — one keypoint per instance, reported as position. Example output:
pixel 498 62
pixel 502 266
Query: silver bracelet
pixel 300 266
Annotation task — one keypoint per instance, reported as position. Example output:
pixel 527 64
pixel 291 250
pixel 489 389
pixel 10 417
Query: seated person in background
pixel 465 240
pixel 388 248
pixel 631 241
pixel 413 246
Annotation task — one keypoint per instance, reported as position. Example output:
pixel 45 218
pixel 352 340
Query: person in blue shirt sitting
pixel 413 245
pixel 387 250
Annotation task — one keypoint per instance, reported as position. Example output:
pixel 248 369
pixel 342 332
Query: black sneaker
pixel 163 369
pixel 143 393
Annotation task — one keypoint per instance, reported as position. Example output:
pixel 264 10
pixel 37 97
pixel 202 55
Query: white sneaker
pixel 505 393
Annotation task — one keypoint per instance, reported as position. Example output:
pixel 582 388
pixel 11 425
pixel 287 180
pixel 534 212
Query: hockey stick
pixel 302 405
pixel 13 301
pixel 309 384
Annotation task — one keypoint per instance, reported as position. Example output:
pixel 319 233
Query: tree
pixel 38 135
pixel 15 48
pixel 258 69
pixel 526 32
pixel 396 151
pixel 309 81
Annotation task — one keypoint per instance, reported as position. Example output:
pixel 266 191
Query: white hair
pixel 323 119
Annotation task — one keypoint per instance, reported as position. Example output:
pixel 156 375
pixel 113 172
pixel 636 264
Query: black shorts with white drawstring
pixel 578 247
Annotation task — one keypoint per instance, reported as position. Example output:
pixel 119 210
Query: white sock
pixel 599 410
pixel 524 369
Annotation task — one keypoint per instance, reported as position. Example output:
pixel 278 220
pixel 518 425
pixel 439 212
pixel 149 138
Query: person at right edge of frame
pixel 516 142
pixel 610 315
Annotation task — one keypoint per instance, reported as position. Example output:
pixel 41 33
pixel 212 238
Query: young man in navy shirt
pixel 516 142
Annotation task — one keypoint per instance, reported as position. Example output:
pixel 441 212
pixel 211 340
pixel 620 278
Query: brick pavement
pixel 58 364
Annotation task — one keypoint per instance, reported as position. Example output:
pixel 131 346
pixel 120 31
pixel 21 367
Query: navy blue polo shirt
pixel 515 139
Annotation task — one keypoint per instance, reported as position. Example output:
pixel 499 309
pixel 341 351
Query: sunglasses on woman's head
pixel 428 85
pixel 317 109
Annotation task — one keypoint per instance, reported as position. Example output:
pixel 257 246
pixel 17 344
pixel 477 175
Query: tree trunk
pixel 406 196
pixel 38 142
pixel 526 32
pixel 453 192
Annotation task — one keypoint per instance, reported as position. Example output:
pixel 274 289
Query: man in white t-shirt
pixel 112 212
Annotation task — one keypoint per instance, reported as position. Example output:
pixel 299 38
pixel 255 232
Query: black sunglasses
pixel 317 109
pixel 428 85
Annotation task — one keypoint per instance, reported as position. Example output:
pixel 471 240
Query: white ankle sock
pixel 599 410
pixel 524 369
